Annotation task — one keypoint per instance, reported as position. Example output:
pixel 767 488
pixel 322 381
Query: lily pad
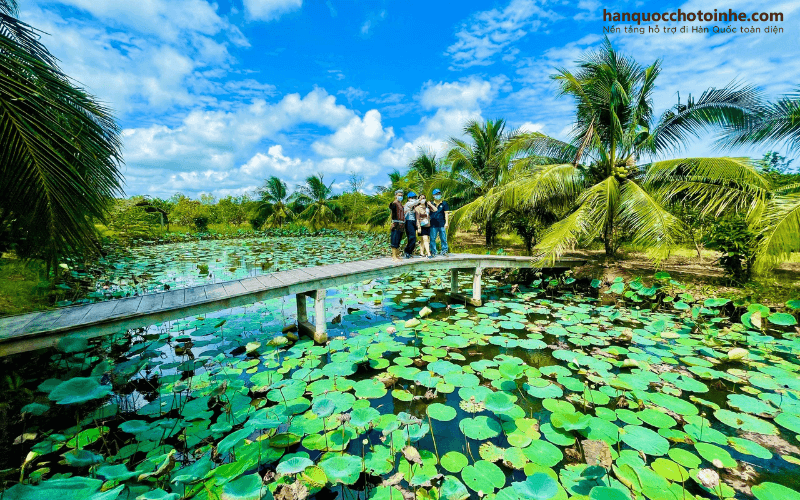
pixel 538 486
pixel 79 390
pixel 480 428
pixel 483 477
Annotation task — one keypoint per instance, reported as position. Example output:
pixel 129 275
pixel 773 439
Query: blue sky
pixel 215 97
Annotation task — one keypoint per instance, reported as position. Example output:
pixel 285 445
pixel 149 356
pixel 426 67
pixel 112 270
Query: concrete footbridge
pixel 32 331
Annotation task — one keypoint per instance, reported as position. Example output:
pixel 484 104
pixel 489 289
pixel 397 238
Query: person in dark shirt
pixel 411 224
pixel 440 221
pixel 398 223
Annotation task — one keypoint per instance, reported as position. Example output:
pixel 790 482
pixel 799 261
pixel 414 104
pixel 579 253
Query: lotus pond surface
pixel 547 391
pixel 145 269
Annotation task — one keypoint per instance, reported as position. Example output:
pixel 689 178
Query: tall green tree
pixel 775 123
pixel 424 168
pixel 477 167
pixel 315 195
pixel 275 199
pixel 60 150
pixel 609 178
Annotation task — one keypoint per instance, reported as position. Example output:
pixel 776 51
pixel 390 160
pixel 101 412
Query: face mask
pixel 399 197
pixel 438 197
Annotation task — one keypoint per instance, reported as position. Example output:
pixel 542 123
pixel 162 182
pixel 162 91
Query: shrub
pixel 733 237
pixel 201 223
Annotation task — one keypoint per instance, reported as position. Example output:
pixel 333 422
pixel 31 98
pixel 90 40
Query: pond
pixel 556 389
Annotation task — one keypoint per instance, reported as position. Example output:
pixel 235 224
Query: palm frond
pixel 776 122
pixel 593 209
pixel 713 184
pixel 537 144
pixel 60 153
pixel 731 107
pixel 652 226
pixel 779 236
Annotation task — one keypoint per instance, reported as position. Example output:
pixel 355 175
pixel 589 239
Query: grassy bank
pixel 702 275
pixel 24 287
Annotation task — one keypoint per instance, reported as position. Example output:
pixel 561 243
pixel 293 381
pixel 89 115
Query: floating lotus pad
pixel 483 477
pixel 79 390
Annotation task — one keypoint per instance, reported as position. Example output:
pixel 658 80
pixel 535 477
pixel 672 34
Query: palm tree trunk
pixel 489 233
pixel 608 237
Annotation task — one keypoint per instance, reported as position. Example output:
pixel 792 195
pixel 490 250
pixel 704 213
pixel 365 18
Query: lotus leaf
pixel 293 465
pixel 480 428
pixel 774 491
pixel 79 390
pixel 453 489
pixel 342 469
pixel 645 440
pixel 247 487
pixel 438 411
pixel 483 477
pixel 538 486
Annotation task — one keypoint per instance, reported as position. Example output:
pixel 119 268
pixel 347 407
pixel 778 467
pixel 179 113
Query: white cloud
pixel 210 138
pixel 165 19
pixel 269 10
pixel 373 19
pixel 353 94
pixel 140 56
pixel 358 138
pixel 465 94
pixel 530 127
pixel 401 154
pixel 249 175
pixel 448 123
pixel 336 73
pixel 490 32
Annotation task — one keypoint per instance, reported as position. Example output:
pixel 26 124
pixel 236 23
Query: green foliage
pixel 315 196
pixel 734 238
pixel 131 221
pixel 200 222
pixel 60 150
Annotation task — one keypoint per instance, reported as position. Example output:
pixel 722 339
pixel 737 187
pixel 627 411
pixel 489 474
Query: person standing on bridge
pixel 440 221
pixel 411 224
pixel 423 216
pixel 398 224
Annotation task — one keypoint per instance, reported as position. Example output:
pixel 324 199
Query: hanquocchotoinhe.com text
pixel 758 20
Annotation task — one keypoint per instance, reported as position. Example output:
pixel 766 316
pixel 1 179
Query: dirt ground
pixel 703 276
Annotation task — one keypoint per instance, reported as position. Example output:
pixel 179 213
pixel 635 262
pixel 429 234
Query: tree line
pixel 618 179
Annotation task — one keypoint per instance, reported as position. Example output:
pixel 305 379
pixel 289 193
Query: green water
pixel 490 401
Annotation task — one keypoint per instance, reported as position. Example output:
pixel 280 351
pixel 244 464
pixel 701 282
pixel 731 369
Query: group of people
pixel 419 215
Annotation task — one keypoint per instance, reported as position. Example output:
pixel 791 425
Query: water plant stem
pixel 435 448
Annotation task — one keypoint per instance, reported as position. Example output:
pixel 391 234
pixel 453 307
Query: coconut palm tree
pixel 424 168
pixel 315 195
pixel 477 167
pixel 59 150
pixel 778 122
pixel 275 198
pixel 609 178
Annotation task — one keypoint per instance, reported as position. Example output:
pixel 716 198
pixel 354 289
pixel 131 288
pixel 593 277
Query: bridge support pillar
pixel 475 300
pixel 319 330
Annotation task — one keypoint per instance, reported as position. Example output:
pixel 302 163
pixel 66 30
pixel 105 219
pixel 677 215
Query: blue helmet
pixel 412 194
pixel 436 191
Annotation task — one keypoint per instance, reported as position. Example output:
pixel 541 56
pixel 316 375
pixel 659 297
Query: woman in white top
pixel 423 216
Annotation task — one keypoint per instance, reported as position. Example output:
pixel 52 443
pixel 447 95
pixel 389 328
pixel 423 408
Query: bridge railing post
pixel 302 312
pixel 476 287
pixel 321 327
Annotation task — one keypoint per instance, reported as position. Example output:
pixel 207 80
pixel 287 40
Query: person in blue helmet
pixel 440 222
pixel 411 224
pixel 398 223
